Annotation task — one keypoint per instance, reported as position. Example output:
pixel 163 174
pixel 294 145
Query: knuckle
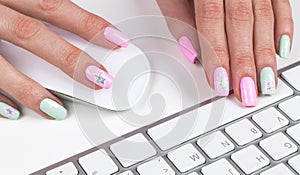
pixel 27 91
pixel 212 10
pixel 221 52
pixel 50 4
pixel 244 61
pixel 263 8
pixel 240 11
pixel 281 2
pixel 91 22
pixel 26 28
pixel 289 21
pixel 265 52
pixel 70 59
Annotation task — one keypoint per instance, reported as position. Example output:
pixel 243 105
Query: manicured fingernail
pixel 8 111
pixel 99 77
pixel 115 36
pixel 221 82
pixel 53 109
pixel 267 81
pixel 187 49
pixel 248 92
pixel 285 46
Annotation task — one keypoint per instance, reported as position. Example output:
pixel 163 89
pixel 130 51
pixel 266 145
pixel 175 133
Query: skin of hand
pixel 239 40
pixel 20 24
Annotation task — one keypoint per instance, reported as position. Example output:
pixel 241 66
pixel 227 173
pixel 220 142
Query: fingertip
pixel 116 37
pixel 55 110
pixel 221 82
pixel 248 92
pixel 99 77
pixel 284 46
pixel 9 109
pixel 188 49
pixel 9 112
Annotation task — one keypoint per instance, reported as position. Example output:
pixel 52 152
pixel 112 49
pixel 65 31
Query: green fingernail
pixel 53 109
pixel 8 111
pixel 285 46
pixel 267 81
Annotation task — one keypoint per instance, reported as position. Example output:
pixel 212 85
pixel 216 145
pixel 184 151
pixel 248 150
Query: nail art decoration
pixel 9 111
pixel 187 49
pixel 99 77
pixel 285 46
pixel 221 82
pixel 267 81
pixel 117 37
pixel 248 92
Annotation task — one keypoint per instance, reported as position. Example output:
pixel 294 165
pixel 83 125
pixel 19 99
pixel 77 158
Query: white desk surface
pixel 32 142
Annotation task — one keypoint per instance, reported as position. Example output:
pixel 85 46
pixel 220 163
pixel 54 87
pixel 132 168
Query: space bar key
pixel 194 123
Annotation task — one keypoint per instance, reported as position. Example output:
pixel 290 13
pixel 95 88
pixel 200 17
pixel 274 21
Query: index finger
pixel 69 16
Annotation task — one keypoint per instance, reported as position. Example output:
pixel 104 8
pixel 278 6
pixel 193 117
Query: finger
pixel 239 27
pixel 284 27
pixel 210 23
pixel 67 15
pixel 8 108
pixel 181 23
pixel 29 93
pixel 264 48
pixel 35 37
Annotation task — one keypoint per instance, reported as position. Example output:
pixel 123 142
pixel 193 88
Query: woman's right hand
pixel 239 40
pixel 20 25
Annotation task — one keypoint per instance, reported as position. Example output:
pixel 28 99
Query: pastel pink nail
pixel 221 82
pixel 248 92
pixel 187 49
pixel 99 77
pixel 115 36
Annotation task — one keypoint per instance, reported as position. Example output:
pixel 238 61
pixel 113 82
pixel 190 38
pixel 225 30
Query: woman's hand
pixel 244 36
pixel 20 25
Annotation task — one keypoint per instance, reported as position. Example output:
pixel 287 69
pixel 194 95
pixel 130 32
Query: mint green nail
pixel 53 109
pixel 285 46
pixel 8 111
pixel 267 81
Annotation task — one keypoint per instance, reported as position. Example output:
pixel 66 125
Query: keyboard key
pixel 133 150
pixel 243 132
pixel 295 163
pixel 98 163
pixel 157 166
pixel 66 169
pixel 215 145
pixel 278 146
pixel 127 173
pixel 193 173
pixel 280 169
pixel 292 76
pixel 270 120
pixel 186 158
pixel 220 167
pixel 250 159
pixel 197 122
pixel 294 132
pixel 291 108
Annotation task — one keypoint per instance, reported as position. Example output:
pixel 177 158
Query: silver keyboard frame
pixel 143 130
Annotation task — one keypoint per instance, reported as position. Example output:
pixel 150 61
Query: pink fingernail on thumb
pixel 187 49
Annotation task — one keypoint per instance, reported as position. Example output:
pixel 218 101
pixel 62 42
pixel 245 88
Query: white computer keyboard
pixel 262 140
